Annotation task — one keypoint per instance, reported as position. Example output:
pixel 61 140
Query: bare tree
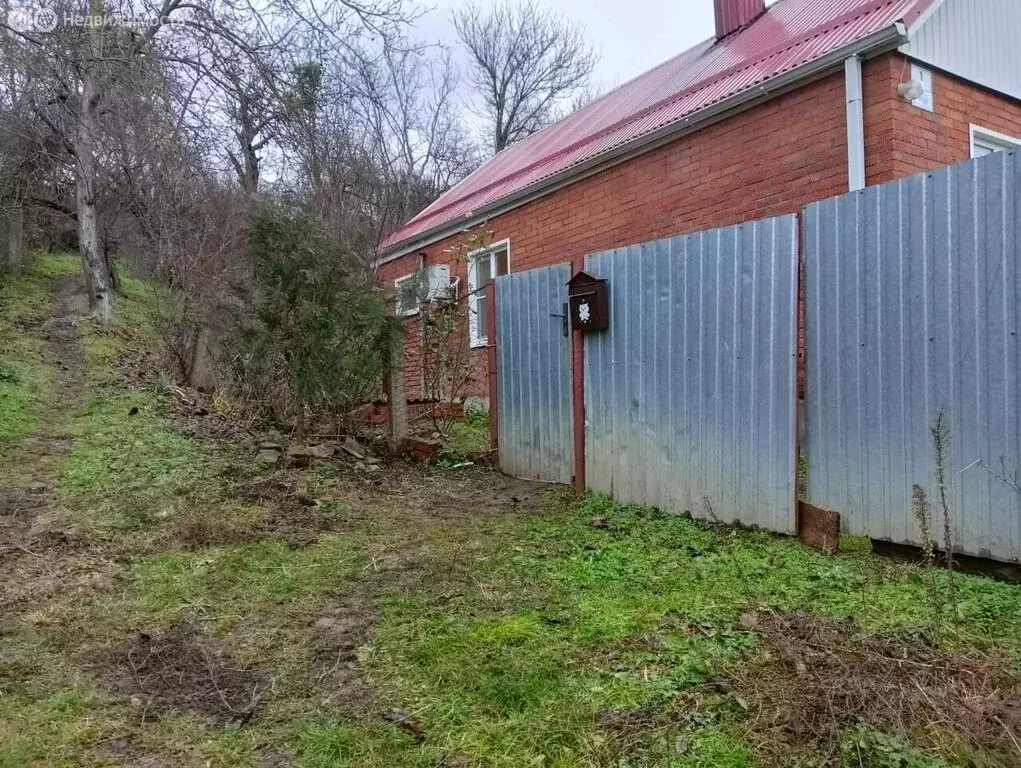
pixel 413 133
pixel 96 81
pixel 525 63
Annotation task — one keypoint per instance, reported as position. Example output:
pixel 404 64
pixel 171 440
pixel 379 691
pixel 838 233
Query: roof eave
pixel 881 41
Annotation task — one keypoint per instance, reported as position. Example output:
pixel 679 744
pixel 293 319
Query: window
pixel 985 142
pixel 406 295
pixel 923 76
pixel 483 265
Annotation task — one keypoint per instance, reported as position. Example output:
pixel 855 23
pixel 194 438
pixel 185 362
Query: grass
pixel 464 438
pixel 130 331
pixel 125 468
pixel 231 583
pixel 25 303
pixel 52 729
pixel 631 615
pixel 506 637
pixel 22 386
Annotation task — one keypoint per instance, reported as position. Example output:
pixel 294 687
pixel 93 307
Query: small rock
pixel 270 445
pixel 749 621
pixel 353 447
pixel 322 451
pixel 373 460
pixel 360 466
pixel 268 456
pixel 298 451
pixel 600 521
pixel 680 746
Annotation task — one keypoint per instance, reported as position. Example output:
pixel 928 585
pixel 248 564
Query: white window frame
pixel 475 284
pixel 397 294
pixel 997 142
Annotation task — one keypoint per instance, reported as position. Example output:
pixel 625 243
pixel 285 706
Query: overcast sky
pixel 632 36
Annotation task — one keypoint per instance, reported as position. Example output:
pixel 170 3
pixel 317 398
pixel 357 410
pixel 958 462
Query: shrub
pixel 317 316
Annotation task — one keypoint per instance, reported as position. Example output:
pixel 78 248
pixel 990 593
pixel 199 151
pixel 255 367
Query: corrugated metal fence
pixel 912 309
pixel 690 394
pixel 534 384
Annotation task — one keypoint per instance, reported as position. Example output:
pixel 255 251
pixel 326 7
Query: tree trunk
pixel 97 279
pixel 250 182
pixel 15 228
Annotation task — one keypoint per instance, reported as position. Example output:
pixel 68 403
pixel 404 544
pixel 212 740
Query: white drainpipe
pixel 855 123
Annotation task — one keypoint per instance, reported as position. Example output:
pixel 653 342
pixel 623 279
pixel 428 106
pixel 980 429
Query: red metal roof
pixel 790 34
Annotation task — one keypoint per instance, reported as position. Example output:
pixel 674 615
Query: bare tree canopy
pixel 119 117
pixel 525 63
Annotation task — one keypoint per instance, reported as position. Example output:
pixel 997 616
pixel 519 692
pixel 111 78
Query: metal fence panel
pixel 534 381
pixel 690 394
pixel 912 307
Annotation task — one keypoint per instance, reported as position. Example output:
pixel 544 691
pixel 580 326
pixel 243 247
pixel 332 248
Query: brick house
pixel 784 106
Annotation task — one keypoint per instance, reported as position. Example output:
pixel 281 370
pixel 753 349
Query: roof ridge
pixel 699 85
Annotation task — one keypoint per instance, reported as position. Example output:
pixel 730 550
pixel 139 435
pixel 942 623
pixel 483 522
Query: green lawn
pixel 419 616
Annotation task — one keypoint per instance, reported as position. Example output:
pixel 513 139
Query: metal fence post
pixel 491 364
pixel 578 397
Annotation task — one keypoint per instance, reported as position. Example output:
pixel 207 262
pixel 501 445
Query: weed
pixel 865 747
pixel 941 453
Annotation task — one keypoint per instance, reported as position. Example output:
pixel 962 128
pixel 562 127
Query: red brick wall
pixel 767 161
pixel 910 140
pixel 757 164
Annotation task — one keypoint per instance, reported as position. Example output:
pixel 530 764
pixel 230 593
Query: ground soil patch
pixel 179 671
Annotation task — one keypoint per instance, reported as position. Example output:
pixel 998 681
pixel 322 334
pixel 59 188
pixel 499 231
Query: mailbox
pixel 589 304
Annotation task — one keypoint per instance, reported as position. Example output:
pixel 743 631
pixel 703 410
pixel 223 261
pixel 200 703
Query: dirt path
pixel 26 478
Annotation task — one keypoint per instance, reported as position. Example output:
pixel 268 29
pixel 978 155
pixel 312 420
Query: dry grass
pixel 817 676
pixel 177 670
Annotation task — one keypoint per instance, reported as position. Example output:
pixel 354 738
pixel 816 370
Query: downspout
pixel 855 123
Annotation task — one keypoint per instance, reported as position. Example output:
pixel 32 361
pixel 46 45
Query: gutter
pixel 874 44
pixel 855 123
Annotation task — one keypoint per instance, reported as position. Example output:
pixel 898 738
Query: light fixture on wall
pixel 911 90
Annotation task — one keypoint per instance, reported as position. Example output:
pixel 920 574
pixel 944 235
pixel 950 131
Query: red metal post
pixel 578 397
pixel 491 364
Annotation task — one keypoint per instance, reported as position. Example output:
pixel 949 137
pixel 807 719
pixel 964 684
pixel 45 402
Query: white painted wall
pixel 974 39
